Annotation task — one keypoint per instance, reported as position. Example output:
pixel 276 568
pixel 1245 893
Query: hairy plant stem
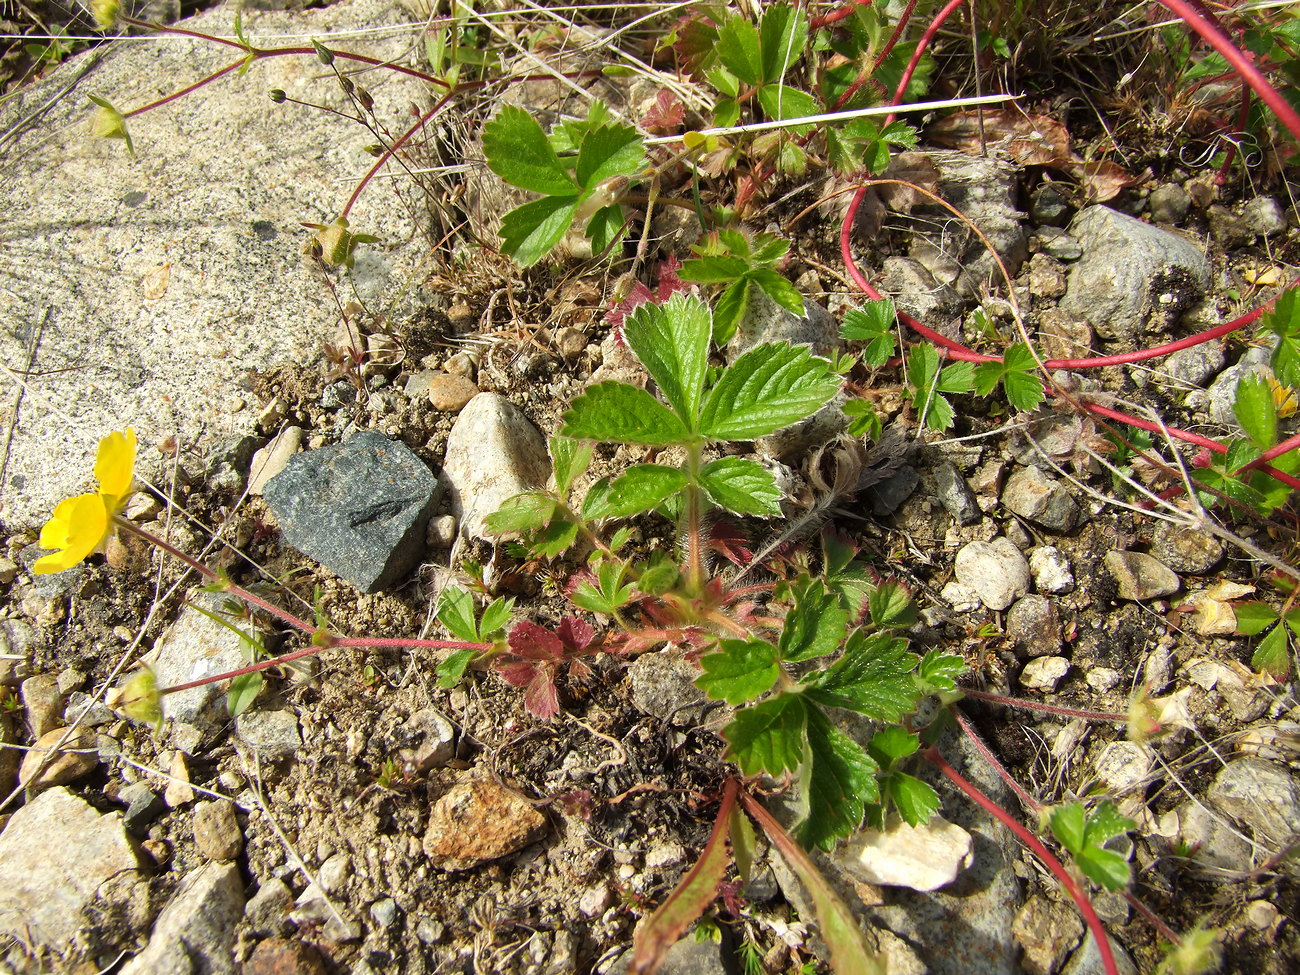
pixel 692 521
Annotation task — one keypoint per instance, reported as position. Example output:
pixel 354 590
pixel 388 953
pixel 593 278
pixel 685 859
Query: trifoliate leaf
pixel 740 671
pixel 623 414
pixel 742 486
pixel 767 388
pixel 873 324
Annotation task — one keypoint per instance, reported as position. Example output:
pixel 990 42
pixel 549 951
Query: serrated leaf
pixel 838 779
pixel 728 310
pixel 891 605
pixel 529 232
pixel 780 290
pixel 608 151
pixel 1105 823
pixel 607 593
pixel 957 378
pixel 605 226
pixel 738 50
pixel 1253 618
pixel 742 486
pixel 243 692
pixel 672 342
pixel 740 671
pixel 569 459
pixel 873 324
pixel 553 540
pixel 523 512
pixel 783 33
pixel 938 671
pixel 623 414
pixel 916 801
pixel 889 745
pixel 496 616
pixel 767 388
pixel 1254 410
pixel 815 625
pixel 456 613
pixel 1284 322
pixel 452 670
pixel 1105 867
pixel 639 488
pixel 713 269
pixel 1020 380
pixel 873 677
pixel 518 151
pixel 1273 654
pixel 783 102
pixel 768 737
pixel 767 248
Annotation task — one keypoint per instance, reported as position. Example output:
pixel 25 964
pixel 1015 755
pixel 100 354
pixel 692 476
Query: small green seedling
pixel 1086 834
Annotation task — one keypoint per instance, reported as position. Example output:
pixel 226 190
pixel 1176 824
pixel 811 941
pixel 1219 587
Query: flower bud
pixel 277 95
pixel 139 699
pixel 109 123
pixel 363 97
pixel 105 12
pixel 375 149
pixel 323 54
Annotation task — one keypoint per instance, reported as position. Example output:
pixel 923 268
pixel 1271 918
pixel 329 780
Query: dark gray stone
pixel 1050 206
pixel 360 508
pixel 888 496
pixel 1140 576
pixel 955 494
pixel 1168 204
pixel 1195 366
pixel 1033 625
pixel 1228 229
pixel 142 806
pixel 1185 549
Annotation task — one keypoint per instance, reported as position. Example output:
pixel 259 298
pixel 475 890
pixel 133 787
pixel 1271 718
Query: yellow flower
pixel 80 525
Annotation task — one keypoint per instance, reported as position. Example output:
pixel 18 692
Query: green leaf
pixel 740 671
pixel 640 488
pixel 243 692
pixel 957 378
pixel 517 150
pixel 523 512
pixel 495 617
pixel 916 801
pixel 672 342
pixel 1105 867
pixel 1085 835
pixel 769 387
pixel 1069 825
pixel 713 269
pixel 1018 374
pixel 815 625
pixel 1273 655
pixel 608 593
pixel 890 745
pixel 569 459
pixel 623 414
pixel 659 576
pixel 555 539
pixel 452 670
pixel 728 311
pixel 529 232
pixel 873 677
pixel 938 671
pixel 608 151
pixel 1255 411
pixel 783 34
pixel 767 249
pixel 783 102
pixel 738 50
pixel 605 227
pixel 1253 618
pixel 780 290
pixel 891 606
pixel 1284 322
pixel 873 324
pixel 838 779
pixel 742 486
pixel 456 613
pixel 1105 822
pixel 768 737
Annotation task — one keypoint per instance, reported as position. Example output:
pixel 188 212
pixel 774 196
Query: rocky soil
pixel 357 818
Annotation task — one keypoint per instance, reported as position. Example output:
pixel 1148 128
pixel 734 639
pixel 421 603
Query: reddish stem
pixel 1042 852
pixel 391 151
pixel 835 16
pixel 1013 702
pixel 921 46
pixel 1231 154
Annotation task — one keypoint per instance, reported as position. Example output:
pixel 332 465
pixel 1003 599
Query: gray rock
pixel 1124 766
pixel 271 459
pixel 1185 549
pixel 268 910
pixel 1058 244
pixel 1210 840
pixel 493 453
pixel 272 734
pixel 194 647
pixel 1219 398
pixel 1051 569
pixel 142 806
pixel 216 830
pixel 360 508
pixel 1044 673
pixel 227 462
pixel 1087 959
pixel 916 292
pixel 995 571
pixel 1228 229
pixel 1043 500
pixel 685 957
pixel 924 857
pixel 9 757
pixel 1264 216
pixel 1132 273
pixel 1049 206
pixel 1047 931
pixel 887 496
pixel 198 925
pixel 43 703
pixel 1033 625
pixel 1046 277
pixel 50 763
pixel 424 741
pixel 663 686
pixel 955 494
pixel 384 912
pixel 1169 203
pixel 56 855
pixel 85 710
pixel 766 321
pixel 1140 576
pixel 1194 366
pixel 1065 335
pixel 19 644
pixel 1262 795
pixel 334 873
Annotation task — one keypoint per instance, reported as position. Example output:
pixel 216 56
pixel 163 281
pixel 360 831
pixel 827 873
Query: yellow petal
pixel 115 466
pixel 76 529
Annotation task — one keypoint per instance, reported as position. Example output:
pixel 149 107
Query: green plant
pixel 1085 835
pixel 1273 653
pixel 742 264
pixel 1230 474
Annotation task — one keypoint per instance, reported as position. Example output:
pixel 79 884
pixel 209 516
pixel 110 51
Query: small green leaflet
pixel 768 737
pixel 767 388
pixel 916 801
pixel 929 383
pixel 243 692
pixel 891 606
pixel 623 413
pixel 1085 836
pixel 570 460
pixel 672 342
pixel 518 151
pixel 873 677
pixel 608 594
pixel 452 670
pixel 1018 373
pixel 608 151
pixel 528 232
pixel 938 672
pixel 738 49
pixel 740 671
pixel 783 33
pixel 743 486
pixel 873 324
pixel 839 778
pixel 639 488
pixel 456 613
pixel 1255 411
pixel 1284 322
pixel 815 626
pixel 523 512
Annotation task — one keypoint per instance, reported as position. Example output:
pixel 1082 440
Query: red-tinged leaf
pixel 639 295
pixel 668 285
pixel 579 670
pixel 666 114
pixel 575 634
pixel 669 282
pixel 535 642
pixel 849 952
pixel 577 803
pixel 691 898
pixel 517 673
pixel 727 540
pixel 541 697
